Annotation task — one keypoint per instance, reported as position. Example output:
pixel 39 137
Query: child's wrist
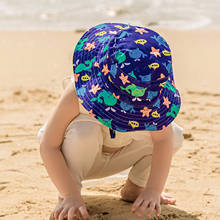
pixel 154 189
pixel 74 193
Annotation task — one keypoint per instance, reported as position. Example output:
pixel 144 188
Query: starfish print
pixel 117 97
pixel 141 30
pixel 124 79
pixel 145 111
pixel 96 64
pixel 173 84
pixel 94 89
pixel 90 46
pixel 166 101
pixel 76 76
pixel 105 69
pixel 163 127
pixel 162 76
pixel 155 52
pixel 91 112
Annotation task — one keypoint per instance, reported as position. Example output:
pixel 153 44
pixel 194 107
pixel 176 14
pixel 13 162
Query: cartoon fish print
pixel 80 100
pixel 124 34
pixel 110 108
pixel 101 33
pixel 126 107
pixel 113 70
pixel 102 40
pixel 157 103
pixel 154 65
pixel 136 53
pixel 107 97
pixel 120 27
pixel 145 78
pixel 162 84
pixel 151 94
pixel 80 44
pixel 120 56
pixel 85 77
pixel 106 47
pixel 132 74
pixel 160 40
pixel 141 41
pixel 109 78
pixel 103 59
pixel 120 129
pixel 169 87
pixel 174 111
pixel 134 90
pixel 150 127
pixel 100 26
pixel 168 67
pixel 155 114
pixel 81 91
pixel 166 52
pixel 124 64
pixel 134 124
pixel 106 122
pixel 86 66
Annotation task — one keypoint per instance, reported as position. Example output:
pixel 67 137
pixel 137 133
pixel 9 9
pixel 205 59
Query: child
pixel 117 112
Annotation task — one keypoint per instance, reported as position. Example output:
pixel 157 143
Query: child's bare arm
pixel 161 158
pixel 160 164
pixel 66 109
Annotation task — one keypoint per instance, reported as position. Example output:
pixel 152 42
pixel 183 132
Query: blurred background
pixel 71 15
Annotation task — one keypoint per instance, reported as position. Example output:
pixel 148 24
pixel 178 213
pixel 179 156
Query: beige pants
pixel 82 151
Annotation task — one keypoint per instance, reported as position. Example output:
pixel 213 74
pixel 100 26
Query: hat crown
pixel 135 58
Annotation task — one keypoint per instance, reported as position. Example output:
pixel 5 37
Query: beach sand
pixel 32 66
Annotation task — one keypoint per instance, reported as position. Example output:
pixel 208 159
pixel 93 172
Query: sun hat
pixel 124 77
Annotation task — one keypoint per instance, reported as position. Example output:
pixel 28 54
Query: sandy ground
pixel 32 66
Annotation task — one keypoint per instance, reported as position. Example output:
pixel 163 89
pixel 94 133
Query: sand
pixel 32 66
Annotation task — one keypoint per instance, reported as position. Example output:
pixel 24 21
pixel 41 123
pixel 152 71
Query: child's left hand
pixel 148 198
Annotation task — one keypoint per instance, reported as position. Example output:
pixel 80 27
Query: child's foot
pixel 130 192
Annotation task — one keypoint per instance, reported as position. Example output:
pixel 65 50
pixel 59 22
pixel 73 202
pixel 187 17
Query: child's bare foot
pixel 130 192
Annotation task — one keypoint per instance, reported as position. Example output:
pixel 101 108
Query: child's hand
pixel 148 198
pixel 70 208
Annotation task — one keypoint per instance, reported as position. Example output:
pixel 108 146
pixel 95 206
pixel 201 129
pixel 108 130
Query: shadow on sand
pixel 102 207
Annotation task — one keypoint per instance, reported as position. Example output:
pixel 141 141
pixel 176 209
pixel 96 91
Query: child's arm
pixel 66 109
pixel 160 164
pixel 161 158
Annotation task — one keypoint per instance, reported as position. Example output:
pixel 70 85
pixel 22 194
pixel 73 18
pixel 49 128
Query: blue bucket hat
pixel 124 78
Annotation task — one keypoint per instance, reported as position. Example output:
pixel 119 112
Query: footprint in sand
pixel 203 93
pixel 188 136
pixel 3 183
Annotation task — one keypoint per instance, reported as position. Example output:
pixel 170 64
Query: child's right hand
pixel 71 207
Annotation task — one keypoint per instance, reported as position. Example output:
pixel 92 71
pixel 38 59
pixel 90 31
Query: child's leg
pixel 137 155
pixel 140 170
pixel 82 142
